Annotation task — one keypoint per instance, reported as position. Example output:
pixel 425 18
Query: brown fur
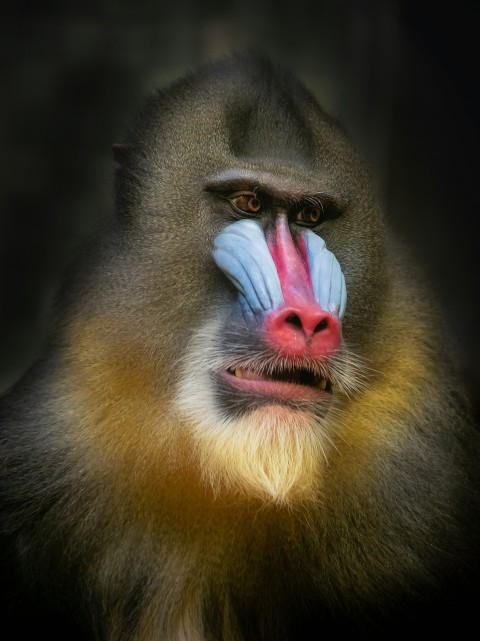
pixel 135 508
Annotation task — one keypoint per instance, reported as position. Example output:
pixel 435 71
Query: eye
pixel 247 202
pixel 309 216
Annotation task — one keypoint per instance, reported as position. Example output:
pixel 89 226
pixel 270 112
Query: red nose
pixel 297 330
pixel 300 326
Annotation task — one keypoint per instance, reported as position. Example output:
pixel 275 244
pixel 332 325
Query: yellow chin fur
pixel 274 453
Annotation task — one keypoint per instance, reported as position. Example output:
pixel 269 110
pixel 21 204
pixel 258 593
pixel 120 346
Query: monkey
pixel 246 424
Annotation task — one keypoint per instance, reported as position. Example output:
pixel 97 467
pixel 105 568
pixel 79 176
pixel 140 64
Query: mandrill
pixel 244 425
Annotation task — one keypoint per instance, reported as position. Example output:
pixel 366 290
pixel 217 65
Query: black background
pixel 402 76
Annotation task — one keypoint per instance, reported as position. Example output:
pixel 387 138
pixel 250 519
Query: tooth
pixel 238 372
pixel 323 384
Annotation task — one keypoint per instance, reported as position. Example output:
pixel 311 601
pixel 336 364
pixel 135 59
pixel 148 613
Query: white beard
pixel 274 452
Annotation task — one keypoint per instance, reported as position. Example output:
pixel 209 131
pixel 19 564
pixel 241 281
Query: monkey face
pixel 260 217
pixel 276 361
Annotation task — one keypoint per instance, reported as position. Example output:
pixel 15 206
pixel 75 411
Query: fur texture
pixel 141 501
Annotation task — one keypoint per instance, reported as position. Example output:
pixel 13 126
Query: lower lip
pixel 275 389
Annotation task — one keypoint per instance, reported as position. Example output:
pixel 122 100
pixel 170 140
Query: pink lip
pixel 275 389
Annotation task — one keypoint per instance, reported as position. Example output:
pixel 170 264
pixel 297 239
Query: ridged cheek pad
pixel 241 251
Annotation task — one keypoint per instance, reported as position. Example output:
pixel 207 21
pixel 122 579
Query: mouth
pixel 281 382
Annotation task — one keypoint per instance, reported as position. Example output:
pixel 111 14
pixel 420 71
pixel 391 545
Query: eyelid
pixel 244 192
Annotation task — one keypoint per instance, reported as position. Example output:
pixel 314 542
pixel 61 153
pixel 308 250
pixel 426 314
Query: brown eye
pixel 310 215
pixel 249 203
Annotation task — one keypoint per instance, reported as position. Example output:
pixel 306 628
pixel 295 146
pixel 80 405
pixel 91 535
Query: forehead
pixel 257 109
pixel 246 114
pixel 269 120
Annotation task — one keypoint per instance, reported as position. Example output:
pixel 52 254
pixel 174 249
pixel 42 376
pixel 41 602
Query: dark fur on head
pixel 138 501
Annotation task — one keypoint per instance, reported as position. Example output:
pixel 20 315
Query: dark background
pixel 402 76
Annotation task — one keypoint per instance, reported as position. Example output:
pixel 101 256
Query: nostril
pixel 303 329
pixel 323 324
pixel 295 320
